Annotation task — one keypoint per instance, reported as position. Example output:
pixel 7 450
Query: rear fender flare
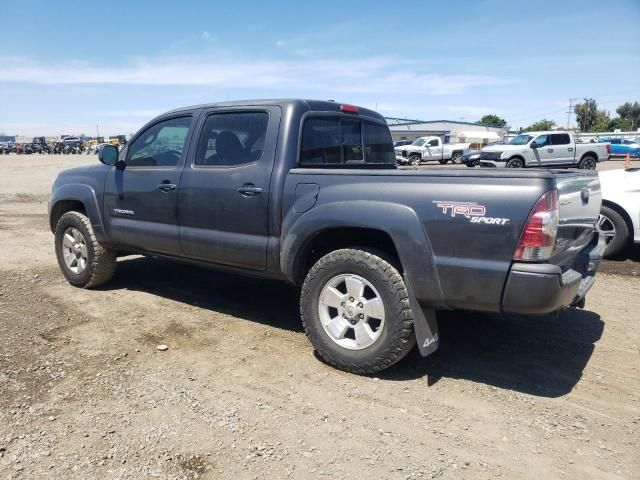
pixel 400 222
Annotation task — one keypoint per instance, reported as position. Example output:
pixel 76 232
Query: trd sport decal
pixel 474 211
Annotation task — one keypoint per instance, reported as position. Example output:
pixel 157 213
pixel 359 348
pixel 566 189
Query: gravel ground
pixel 239 394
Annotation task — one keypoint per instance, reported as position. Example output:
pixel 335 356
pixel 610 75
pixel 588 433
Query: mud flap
pixel 425 324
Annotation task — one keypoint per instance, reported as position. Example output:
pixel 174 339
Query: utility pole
pixel 97 131
pixel 571 104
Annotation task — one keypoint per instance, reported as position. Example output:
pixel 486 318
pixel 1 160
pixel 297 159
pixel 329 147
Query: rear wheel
pixel 588 163
pixel 515 163
pixel 355 310
pixel 615 229
pixel 456 157
pixel 83 261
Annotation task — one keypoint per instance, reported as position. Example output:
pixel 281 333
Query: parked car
pixel 471 158
pixel 72 141
pixel 308 192
pixel 545 149
pixel 425 149
pixel 623 146
pixel 619 218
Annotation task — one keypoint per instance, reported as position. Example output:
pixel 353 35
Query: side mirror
pixel 534 145
pixel 108 154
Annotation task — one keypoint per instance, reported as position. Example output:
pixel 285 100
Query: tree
pixel 631 112
pixel 541 125
pixel 493 120
pixel 588 115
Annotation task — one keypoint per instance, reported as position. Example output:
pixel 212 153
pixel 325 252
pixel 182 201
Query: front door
pixel 223 206
pixel 140 201
pixel 433 150
pixel 544 154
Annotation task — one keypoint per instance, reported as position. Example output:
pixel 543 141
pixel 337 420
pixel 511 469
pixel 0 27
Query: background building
pixel 452 131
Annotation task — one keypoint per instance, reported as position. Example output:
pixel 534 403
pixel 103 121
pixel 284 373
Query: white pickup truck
pixel 425 149
pixel 545 149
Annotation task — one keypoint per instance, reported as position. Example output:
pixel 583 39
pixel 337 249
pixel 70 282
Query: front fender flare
pixel 85 195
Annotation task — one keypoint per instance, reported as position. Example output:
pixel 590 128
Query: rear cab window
pixel 342 141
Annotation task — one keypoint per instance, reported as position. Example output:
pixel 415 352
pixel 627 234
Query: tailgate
pixel 580 199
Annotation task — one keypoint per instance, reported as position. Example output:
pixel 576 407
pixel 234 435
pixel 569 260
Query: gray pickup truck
pixel 308 192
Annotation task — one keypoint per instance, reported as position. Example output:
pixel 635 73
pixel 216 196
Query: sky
pixel 66 67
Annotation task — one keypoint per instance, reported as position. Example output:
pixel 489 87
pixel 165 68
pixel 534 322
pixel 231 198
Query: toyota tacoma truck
pixel 308 192
pixel 426 149
pixel 545 149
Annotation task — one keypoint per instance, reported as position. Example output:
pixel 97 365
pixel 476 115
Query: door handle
pixel 249 190
pixel 570 149
pixel 550 150
pixel 166 186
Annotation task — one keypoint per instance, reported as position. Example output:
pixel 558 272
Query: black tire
pixel 415 160
pixel 397 337
pixel 456 157
pixel 588 163
pixel 100 263
pixel 620 239
pixel 443 161
pixel 515 163
pixel 470 164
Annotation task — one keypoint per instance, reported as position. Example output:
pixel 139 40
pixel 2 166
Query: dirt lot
pixel 239 393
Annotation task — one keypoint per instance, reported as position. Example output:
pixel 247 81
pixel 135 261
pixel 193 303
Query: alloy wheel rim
pixel 74 250
pixel 606 228
pixel 351 311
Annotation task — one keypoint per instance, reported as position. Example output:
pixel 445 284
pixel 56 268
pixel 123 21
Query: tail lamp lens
pixel 538 238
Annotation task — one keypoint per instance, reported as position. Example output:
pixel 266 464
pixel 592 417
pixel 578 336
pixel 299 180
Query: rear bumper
pixel 537 289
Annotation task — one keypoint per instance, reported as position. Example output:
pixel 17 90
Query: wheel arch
pixel 589 154
pixel 519 157
pixel 622 212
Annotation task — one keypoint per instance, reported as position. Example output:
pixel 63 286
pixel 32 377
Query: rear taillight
pixel 538 238
pixel 608 147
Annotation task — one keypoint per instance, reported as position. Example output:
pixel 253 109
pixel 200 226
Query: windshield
pixel 520 140
pixel 419 142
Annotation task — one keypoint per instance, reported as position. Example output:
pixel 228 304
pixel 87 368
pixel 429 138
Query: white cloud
pixel 364 75
pixel 281 43
pixel 206 36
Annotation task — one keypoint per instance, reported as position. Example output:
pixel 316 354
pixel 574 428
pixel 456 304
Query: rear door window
pixel 560 139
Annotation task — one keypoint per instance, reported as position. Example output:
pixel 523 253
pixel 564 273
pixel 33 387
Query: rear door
pixel 140 201
pixel 224 189
pixel 563 148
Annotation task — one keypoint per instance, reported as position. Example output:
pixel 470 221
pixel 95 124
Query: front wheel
pixel 355 310
pixel 515 163
pixel 83 261
pixel 415 160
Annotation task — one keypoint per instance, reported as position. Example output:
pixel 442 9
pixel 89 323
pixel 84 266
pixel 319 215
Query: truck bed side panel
pixel 470 223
